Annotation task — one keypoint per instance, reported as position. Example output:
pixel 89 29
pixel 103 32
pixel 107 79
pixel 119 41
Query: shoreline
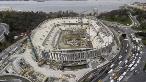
pixel 54 6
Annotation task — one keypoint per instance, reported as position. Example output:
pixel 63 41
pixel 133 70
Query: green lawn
pixel 120 19
pixel 120 16
pixel 144 41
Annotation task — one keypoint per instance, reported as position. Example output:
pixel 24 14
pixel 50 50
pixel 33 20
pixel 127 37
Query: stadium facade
pixel 71 48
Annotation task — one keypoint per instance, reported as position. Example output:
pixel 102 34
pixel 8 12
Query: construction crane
pixel 81 15
pixel 35 55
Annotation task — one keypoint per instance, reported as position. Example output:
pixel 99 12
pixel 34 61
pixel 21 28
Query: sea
pixel 76 6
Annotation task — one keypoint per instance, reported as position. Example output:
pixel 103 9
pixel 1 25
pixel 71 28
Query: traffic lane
pixel 98 76
pixel 121 53
pixel 118 30
pixel 10 48
pixel 124 43
pixel 136 59
pixel 124 67
pixel 116 62
pixel 124 53
pixel 140 76
pixel 127 31
pixel 135 55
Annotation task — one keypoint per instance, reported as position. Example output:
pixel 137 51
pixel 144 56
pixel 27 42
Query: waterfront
pixel 77 6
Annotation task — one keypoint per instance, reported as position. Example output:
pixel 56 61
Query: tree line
pixel 21 22
pixel 120 16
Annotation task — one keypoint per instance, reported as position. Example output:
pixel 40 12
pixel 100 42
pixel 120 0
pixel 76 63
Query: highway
pixel 128 59
pixel 5 54
pixel 115 64
pixel 121 69
pixel 139 74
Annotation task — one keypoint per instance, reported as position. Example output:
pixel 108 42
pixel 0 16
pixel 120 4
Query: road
pixel 134 51
pixel 140 75
pixel 121 68
pixel 115 62
pixel 5 54
pixel 128 56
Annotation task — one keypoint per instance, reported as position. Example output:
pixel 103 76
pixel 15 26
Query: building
pixel 139 5
pixel 4 29
pixel 71 47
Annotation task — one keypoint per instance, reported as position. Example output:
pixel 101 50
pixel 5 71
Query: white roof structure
pixel 47 34
pixel 71 48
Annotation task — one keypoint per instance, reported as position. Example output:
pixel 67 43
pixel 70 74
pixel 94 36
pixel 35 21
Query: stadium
pixel 71 39
pixel 70 48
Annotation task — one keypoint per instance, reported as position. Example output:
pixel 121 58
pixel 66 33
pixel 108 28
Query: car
pixel 132 68
pixel 111 80
pixel 120 62
pixel 120 78
pixel 138 48
pixel 133 62
pixel 141 52
pixel 136 54
pixel 110 71
pixel 126 51
pixel 138 60
pixel 126 39
pixel 135 46
pixel 13 50
pixel 110 77
pixel 127 45
pixel 126 61
pixel 112 65
pixel 139 57
pixel 130 65
pixel 124 74
pixel 120 57
pixel 135 65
